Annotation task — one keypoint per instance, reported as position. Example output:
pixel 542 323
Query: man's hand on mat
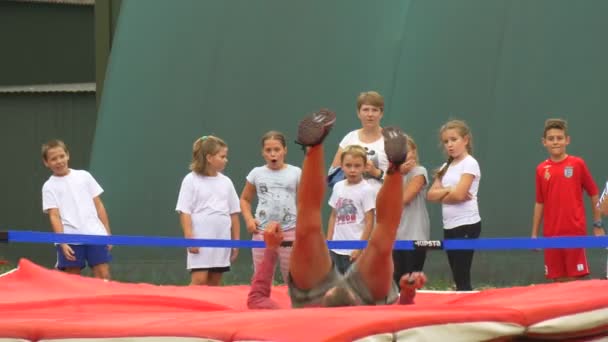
pixel 193 250
pixel 234 254
pixel 252 226
pixel 273 235
pixel 409 283
pixel 414 280
pixel 68 252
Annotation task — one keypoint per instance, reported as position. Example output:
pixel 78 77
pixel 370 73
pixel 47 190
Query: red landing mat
pixel 40 304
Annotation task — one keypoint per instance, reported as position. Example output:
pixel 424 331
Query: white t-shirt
pixel 210 201
pixel 375 153
pixel 604 196
pixel 276 191
pixel 73 195
pixel 455 215
pixel 415 223
pixel 351 202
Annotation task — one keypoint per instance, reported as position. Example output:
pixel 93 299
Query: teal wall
pixel 179 70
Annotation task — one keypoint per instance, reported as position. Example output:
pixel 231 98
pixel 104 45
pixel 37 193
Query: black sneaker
pixel 395 145
pixel 313 129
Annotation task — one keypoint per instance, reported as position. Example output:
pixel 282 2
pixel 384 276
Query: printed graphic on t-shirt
pixel 568 171
pixel 273 197
pixel 374 157
pixel 346 211
pixel 547 173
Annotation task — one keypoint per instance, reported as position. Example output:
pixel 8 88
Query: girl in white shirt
pixel 208 208
pixel 455 187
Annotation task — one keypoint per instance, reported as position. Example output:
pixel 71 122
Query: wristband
pixel 598 224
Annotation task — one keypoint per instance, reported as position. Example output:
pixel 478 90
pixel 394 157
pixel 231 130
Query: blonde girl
pixel 208 208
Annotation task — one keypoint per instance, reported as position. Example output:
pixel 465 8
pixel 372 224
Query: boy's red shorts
pixel 568 262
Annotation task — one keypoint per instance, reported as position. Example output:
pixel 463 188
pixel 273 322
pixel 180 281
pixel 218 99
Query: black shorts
pixel 211 269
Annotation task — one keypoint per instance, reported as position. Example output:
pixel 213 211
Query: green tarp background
pixel 236 69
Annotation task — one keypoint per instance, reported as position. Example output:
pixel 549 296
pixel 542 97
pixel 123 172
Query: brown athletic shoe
pixel 395 145
pixel 313 129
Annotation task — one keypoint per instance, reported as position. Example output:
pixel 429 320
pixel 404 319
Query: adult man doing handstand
pixel 313 279
pixel 261 284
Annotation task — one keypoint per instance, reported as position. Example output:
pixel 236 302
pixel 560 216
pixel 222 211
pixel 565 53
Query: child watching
pixel 353 203
pixel 71 199
pixel 560 181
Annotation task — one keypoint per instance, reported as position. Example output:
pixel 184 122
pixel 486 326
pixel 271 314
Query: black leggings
pixel 461 260
pixel 407 261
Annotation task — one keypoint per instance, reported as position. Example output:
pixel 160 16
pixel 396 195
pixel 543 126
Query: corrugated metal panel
pixel 27 120
pixel 50 88
pixel 63 2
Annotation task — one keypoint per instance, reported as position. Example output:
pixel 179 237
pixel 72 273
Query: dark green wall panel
pixel 46 43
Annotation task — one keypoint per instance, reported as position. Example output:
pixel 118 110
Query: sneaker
pixel 313 129
pixel 395 145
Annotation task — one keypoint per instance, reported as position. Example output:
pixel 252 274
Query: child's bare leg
pixel 310 261
pixel 199 278
pixel 101 271
pixel 72 270
pixel 214 278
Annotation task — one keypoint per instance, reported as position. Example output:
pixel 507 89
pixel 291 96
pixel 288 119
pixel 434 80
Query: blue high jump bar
pixel 21 236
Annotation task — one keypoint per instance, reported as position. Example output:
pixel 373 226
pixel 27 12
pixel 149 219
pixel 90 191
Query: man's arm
pixel 259 294
pixel 409 283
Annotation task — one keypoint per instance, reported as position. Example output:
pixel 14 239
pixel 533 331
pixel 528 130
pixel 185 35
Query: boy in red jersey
pixel 560 181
